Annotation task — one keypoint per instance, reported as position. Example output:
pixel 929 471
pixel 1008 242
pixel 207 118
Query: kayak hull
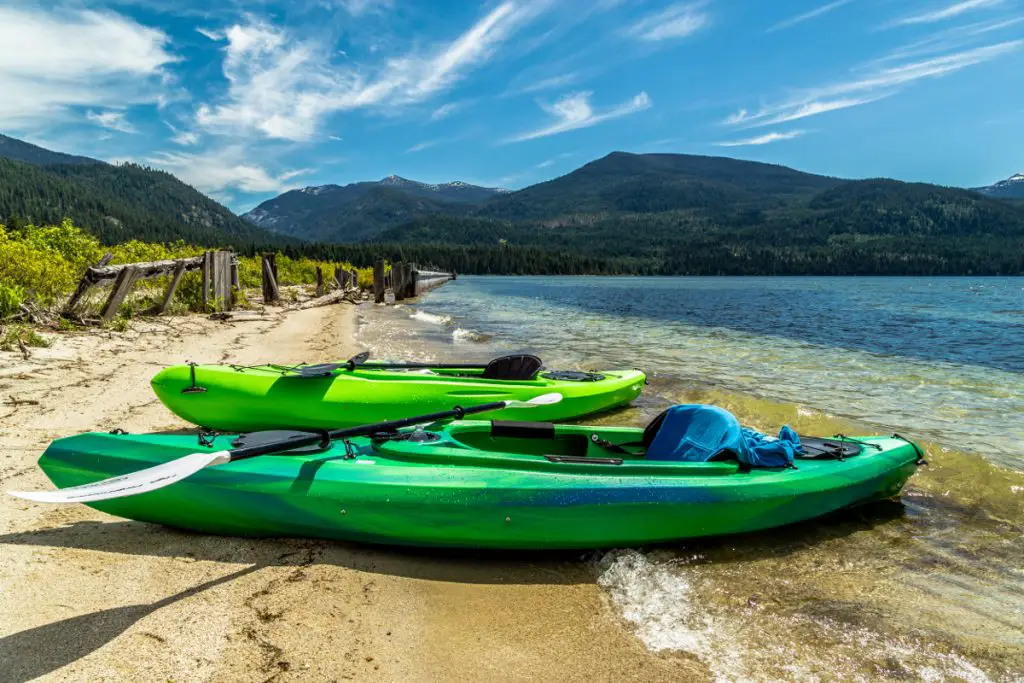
pixel 451 493
pixel 226 398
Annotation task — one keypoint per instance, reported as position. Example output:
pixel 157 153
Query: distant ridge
pixel 1011 188
pixel 19 150
pixel 349 213
pixel 114 202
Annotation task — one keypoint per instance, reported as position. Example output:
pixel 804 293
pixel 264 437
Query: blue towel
pixel 698 433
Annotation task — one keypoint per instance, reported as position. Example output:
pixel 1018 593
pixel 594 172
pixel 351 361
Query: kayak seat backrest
pixel 523 430
pixel 519 367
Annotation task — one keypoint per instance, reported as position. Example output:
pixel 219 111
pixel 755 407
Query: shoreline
pixel 89 596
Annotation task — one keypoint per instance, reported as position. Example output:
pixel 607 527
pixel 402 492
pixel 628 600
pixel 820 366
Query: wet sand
pixel 86 596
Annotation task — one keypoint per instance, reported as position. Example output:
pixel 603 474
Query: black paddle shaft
pixel 300 441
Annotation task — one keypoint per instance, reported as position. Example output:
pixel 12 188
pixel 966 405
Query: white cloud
pixel 807 16
pixel 423 145
pixel 357 7
pixel 676 21
pixel 209 33
pixel 185 138
pixel 281 87
pixel 445 110
pixel 550 83
pixel 555 159
pixel 53 60
pixel 762 139
pixel 947 40
pixel 114 120
pixel 947 12
pixel 574 112
pixel 877 85
pixel 227 168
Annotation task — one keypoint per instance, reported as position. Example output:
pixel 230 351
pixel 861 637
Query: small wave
pixel 431 318
pixel 462 335
pixel 666 603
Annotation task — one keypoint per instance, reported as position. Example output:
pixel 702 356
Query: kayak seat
pixel 575 445
pixel 518 367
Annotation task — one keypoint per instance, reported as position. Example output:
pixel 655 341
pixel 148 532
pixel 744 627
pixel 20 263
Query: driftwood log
pixel 335 297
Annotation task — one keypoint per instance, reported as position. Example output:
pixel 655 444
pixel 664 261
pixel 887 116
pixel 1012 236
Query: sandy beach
pixel 86 596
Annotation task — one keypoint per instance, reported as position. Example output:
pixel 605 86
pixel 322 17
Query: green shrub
pixel 43 264
pixel 12 296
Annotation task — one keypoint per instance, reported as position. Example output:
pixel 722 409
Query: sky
pixel 245 100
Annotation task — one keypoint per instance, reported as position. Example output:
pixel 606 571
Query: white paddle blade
pixel 542 400
pixel 131 484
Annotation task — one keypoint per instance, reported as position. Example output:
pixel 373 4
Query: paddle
pixel 167 473
pixel 359 360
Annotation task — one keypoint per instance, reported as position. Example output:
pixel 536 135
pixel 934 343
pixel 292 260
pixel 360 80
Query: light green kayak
pixel 233 398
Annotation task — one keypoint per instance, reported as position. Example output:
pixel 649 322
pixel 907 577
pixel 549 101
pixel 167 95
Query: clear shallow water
pixel 941 358
pixel 929 588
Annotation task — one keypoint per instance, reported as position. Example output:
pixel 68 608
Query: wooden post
pixel 221 278
pixel 207 268
pixel 235 282
pixel 355 279
pixel 408 291
pixel 270 290
pixel 343 276
pixel 320 290
pixel 122 286
pixel 397 269
pixel 378 281
pixel 179 270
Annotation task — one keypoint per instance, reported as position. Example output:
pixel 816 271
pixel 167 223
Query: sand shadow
pixel 41 650
pixel 433 564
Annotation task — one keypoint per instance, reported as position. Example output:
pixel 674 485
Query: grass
pixel 11 335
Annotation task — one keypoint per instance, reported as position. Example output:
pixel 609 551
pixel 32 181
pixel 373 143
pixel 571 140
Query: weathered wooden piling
pixel 271 292
pixel 378 281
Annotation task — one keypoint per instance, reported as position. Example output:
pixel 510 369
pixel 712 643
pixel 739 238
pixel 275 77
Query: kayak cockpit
pixel 541 447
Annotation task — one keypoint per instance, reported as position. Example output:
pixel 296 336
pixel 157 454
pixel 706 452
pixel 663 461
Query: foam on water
pixel 463 335
pixel 431 318
pixel 659 598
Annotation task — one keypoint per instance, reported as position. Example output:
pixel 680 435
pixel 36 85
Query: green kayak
pixel 233 398
pixel 482 484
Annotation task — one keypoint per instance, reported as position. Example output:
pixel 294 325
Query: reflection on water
pixel 930 588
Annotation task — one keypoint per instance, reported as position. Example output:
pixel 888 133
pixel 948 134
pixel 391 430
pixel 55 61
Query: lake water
pixel 928 588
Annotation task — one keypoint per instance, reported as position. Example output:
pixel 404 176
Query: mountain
pixel 651 183
pixel 617 183
pixel 456 191
pixel 116 203
pixel 350 213
pixel 1011 188
pixel 18 150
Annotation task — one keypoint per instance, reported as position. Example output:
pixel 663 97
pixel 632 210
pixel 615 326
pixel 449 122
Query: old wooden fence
pixel 220 278
pixel 344 279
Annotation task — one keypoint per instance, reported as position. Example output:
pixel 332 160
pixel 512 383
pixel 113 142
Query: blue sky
pixel 246 100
